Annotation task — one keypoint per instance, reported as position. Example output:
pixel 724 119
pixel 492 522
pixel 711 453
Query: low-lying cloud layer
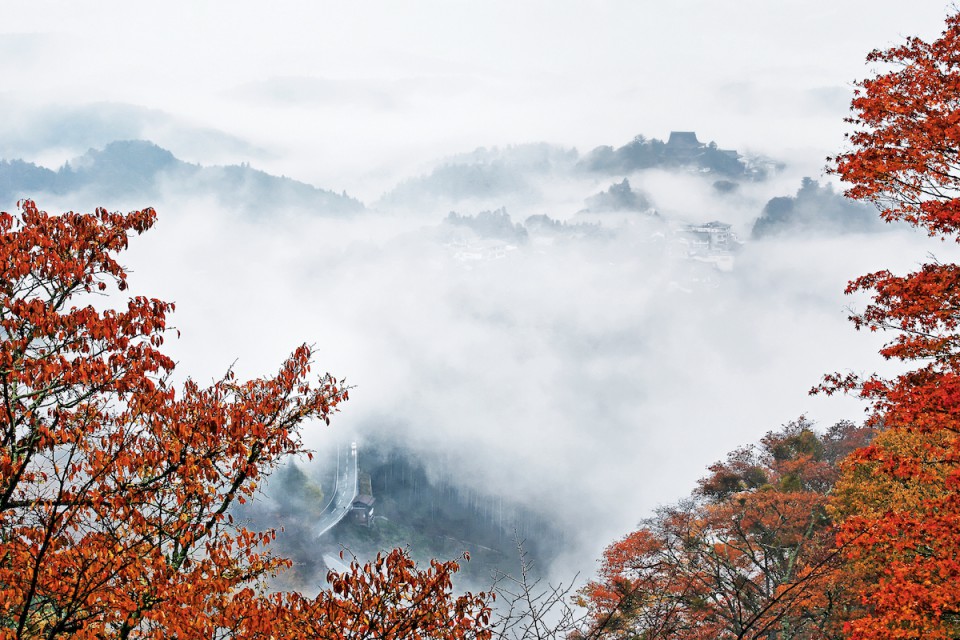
pixel 577 351
pixel 588 376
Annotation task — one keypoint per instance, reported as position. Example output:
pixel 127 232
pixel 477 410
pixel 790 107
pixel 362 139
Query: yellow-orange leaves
pixel 898 498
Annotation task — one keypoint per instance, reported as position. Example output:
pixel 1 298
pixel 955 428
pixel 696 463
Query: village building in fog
pixel 712 242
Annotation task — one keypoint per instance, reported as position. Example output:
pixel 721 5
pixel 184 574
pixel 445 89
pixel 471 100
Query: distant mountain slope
pixel 525 171
pixel 73 128
pixel 139 168
pixel 814 209
pixel 490 224
pixel 619 197
pixel 682 149
pixel 19 179
pixel 458 181
pixel 485 172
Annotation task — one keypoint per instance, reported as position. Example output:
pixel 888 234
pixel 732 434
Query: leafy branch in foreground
pixel 116 487
pixel 901 505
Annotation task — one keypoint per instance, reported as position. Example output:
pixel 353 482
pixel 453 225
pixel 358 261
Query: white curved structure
pixel 344 493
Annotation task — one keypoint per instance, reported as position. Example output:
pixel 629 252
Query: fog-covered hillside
pixel 815 209
pixel 562 260
pixel 520 313
pixel 138 170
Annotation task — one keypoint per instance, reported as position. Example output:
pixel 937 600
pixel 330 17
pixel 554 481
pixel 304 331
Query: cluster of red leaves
pixel 388 598
pixel 890 568
pixel 749 555
pixel 903 553
pixel 115 487
pixel 907 133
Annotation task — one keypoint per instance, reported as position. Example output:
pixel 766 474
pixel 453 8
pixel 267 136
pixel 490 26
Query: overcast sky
pixel 595 373
pixel 343 94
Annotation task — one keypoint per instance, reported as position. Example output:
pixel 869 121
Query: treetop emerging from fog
pixel 906 147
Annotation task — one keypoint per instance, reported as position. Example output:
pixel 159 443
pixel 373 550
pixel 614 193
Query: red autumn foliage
pixel 903 554
pixel 115 487
pixel 749 555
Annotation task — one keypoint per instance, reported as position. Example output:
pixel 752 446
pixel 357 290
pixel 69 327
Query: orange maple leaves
pixel 908 132
pixel 899 496
pixel 115 487
pixel 749 555
pixel 892 565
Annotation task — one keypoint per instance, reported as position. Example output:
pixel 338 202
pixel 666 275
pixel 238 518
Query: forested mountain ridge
pixel 815 208
pixel 682 149
pixel 141 169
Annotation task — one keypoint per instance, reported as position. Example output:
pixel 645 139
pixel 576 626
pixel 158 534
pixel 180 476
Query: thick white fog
pixel 591 378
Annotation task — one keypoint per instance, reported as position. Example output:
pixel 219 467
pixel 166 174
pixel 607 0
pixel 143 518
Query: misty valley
pixel 537 337
pixel 480 321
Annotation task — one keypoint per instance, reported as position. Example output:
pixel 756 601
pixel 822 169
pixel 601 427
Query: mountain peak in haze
pixel 140 169
pixel 142 154
pixel 681 150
